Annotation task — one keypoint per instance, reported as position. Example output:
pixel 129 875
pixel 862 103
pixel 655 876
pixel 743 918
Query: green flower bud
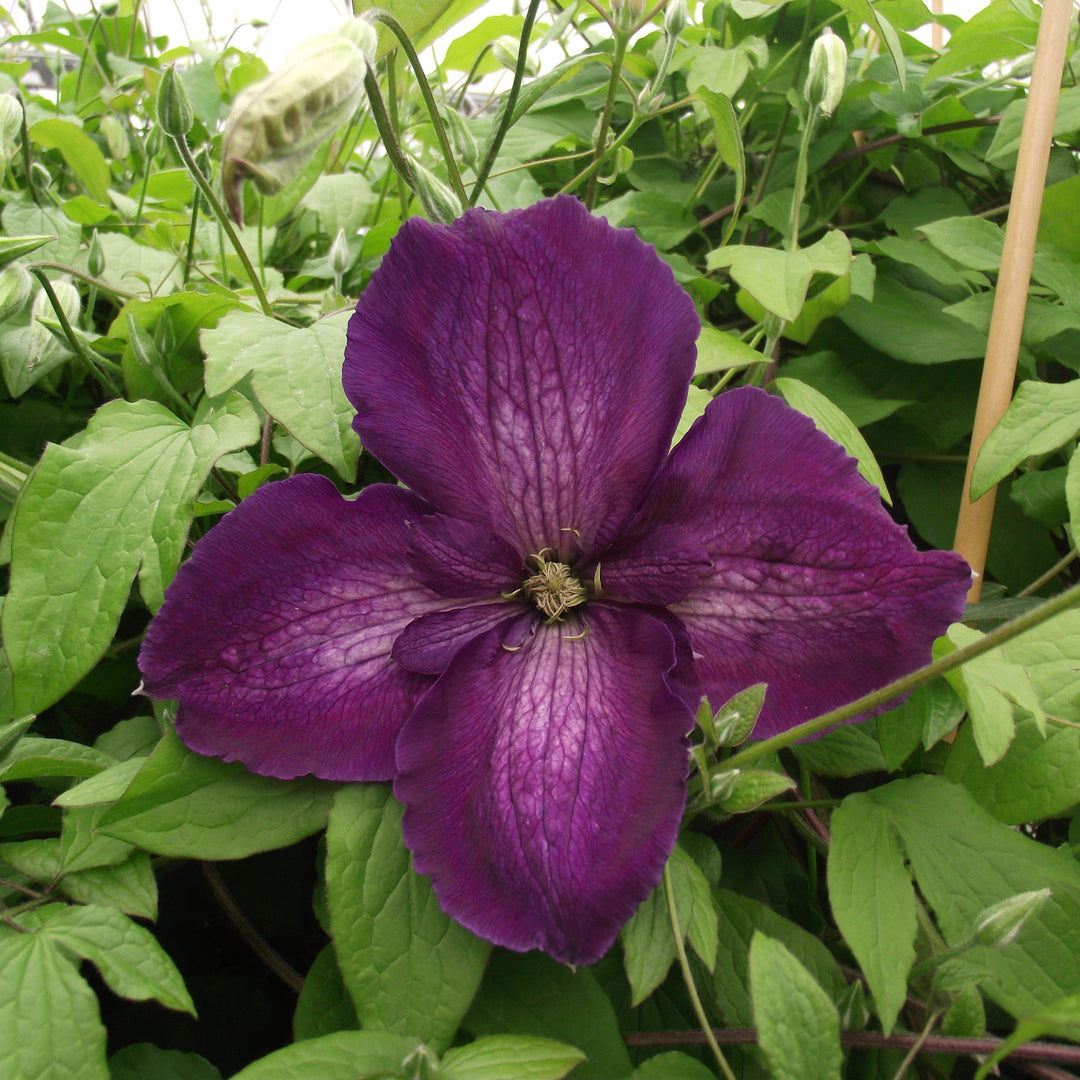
pixel 461 137
pixel 824 84
pixel 364 36
pixel 435 197
pixel 675 18
pixel 115 137
pixel 627 13
pixel 277 124
pixel 339 254
pixel 1000 923
pixel 174 111
pixel 95 259
pixel 15 285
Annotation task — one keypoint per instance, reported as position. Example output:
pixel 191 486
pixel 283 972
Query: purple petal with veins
pixel 276 634
pixel 544 784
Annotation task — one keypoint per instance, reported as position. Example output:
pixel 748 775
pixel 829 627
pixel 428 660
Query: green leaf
pixel 16 247
pixel 134 267
pixel 718 350
pixel 531 994
pixel 129 886
pixel 422 20
pixel 341 201
pixel 91 517
pixel 345 1055
pixel 1042 417
pixel 128 957
pixel 296 375
pixel 972 241
pixel 697 400
pixel 778 280
pixel 105 787
pixel 993 689
pixel 49 1024
pixel 1060 1019
pixel 837 425
pixel 849 750
pixel 80 152
pixel 873 901
pixel 25 219
pixel 143 1061
pixel 910 325
pixel 673 1065
pixel 1007 137
pixel 409 968
pixel 738 791
pixel 34 756
pixel 798 1027
pixel 324 1005
pixel 729 143
pixel 964 861
pixel 1038 776
pixel 647 938
pixel 495 1057
pixel 83 846
pixel 739 918
pixel 189 806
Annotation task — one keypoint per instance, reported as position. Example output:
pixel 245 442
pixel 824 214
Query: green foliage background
pixel 822 909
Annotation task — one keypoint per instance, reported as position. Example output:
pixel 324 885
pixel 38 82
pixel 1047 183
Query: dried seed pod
pixel 275 125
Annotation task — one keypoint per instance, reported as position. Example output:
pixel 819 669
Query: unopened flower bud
pixel 435 197
pixel 824 85
pixel 505 50
pixel 627 13
pixel 276 125
pixel 339 254
pixel 999 924
pixel 675 18
pixel 15 285
pixel 174 111
pixel 115 137
pixel 364 36
pixel 461 136
pixel 95 259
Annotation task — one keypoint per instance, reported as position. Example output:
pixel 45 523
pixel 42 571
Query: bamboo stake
pixel 1010 302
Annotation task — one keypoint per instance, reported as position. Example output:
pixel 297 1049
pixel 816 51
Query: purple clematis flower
pixel 518 637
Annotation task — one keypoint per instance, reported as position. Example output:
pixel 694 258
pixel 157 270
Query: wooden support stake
pixel 1014 278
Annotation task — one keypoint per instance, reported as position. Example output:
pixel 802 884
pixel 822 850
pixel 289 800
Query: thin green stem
pixel 386 133
pixel 1050 574
pixel 82 275
pixel 31 187
pixel 507 117
pixel 95 367
pixel 622 39
pixel 190 254
pixel 917 1045
pixel 998 636
pixel 223 219
pixel 429 100
pixel 688 979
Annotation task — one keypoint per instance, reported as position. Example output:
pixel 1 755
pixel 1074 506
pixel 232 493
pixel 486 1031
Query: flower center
pixel 553 589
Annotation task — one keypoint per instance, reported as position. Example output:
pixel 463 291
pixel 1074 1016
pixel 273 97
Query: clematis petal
pixel 458 559
pixel 813 588
pixel 657 568
pixel 275 636
pixel 524 371
pixel 543 786
pixel 428 644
